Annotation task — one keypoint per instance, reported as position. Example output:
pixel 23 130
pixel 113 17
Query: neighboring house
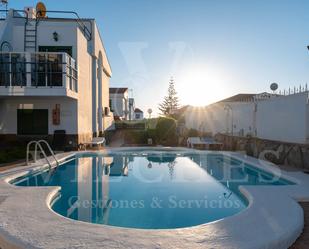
pixel 138 114
pixel 54 75
pixel 119 102
pixel 267 116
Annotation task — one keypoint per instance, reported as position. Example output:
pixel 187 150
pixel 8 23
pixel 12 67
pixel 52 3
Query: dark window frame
pixel 57 49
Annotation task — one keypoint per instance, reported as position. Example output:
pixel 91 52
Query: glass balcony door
pixel 47 70
pixel 38 70
pixel 13 69
pixel 56 49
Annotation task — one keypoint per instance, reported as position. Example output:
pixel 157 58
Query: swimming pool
pixel 150 190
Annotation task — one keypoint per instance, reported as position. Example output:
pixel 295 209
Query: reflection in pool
pixel 150 191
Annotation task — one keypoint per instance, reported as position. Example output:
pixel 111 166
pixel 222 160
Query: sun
pixel 201 85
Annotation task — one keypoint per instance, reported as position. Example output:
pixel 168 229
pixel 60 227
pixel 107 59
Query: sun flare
pixel 202 85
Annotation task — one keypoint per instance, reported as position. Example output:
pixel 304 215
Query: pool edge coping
pixel 245 190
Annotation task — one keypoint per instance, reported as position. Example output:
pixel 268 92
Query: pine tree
pixel 170 102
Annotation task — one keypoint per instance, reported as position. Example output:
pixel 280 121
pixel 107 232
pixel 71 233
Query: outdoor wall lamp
pixel 55 36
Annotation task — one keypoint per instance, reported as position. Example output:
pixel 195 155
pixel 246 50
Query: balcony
pixel 38 74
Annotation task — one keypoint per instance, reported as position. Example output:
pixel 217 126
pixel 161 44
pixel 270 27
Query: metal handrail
pixel 35 157
pixel 79 21
pixel 38 144
pixel 50 150
pixel 87 32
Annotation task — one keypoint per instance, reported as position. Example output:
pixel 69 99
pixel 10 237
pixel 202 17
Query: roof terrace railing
pixel 82 23
pixel 42 69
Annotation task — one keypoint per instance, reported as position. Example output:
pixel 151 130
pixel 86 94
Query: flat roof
pixel 120 90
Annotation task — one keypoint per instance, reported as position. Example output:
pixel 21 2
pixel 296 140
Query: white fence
pixel 280 118
pixel 284 118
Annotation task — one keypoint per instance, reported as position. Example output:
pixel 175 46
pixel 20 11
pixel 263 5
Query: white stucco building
pixel 138 114
pixel 266 116
pixel 54 75
pixel 121 104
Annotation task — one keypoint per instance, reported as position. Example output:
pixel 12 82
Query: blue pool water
pixel 150 191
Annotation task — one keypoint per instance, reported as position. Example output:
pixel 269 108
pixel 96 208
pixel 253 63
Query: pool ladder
pixel 38 145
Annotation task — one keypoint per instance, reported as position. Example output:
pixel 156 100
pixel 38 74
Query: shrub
pixel 12 154
pixel 166 131
pixel 135 137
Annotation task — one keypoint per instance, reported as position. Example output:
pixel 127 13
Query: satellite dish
pixel 274 87
pixel 41 10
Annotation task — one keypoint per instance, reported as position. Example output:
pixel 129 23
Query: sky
pixel 212 48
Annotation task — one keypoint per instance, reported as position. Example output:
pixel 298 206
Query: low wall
pixel 12 140
pixel 280 118
pixel 281 153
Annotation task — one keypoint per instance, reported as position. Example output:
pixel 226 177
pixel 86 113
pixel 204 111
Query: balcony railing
pixel 38 70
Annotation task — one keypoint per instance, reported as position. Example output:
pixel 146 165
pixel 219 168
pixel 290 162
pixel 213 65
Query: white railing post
pixel 10 68
pixel 46 69
pixel 64 71
pixel 28 69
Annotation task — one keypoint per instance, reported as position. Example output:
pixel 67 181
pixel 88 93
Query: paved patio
pixel 4 167
pixel 303 241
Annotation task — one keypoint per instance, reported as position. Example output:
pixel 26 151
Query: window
pixel 38 69
pixel 56 49
pixel 32 122
pixel 4 69
pixel 137 115
pixel 54 70
pixel 13 69
pixel 18 69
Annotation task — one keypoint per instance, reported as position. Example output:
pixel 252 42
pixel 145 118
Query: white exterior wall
pixel 99 53
pixel 108 121
pixel 66 30
pixel 99 46
pixel 68 109
pixel 120 104
pixel 87 55
pixel 283 118
pixel 84 62
pixel 215 119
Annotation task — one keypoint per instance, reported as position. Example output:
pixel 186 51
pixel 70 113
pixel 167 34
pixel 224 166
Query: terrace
pixel 38 74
